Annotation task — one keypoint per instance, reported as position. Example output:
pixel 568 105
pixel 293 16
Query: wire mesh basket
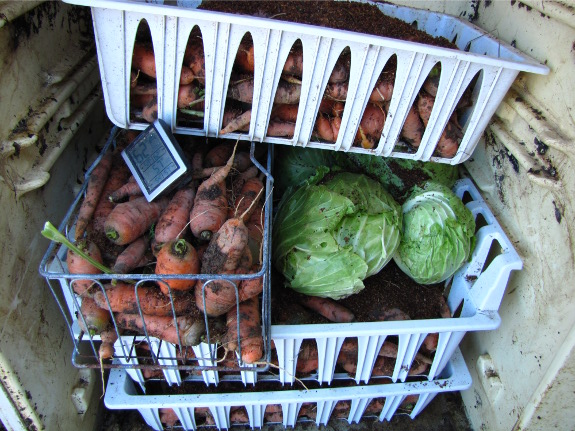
pixel 147 351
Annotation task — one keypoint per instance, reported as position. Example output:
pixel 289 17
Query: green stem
pixel 201 99
pixel 180 247
pixel 191 112
pixel 53 234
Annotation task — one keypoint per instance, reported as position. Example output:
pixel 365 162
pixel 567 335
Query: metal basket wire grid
pixel 142 351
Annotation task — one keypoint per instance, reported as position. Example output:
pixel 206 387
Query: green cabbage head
pixel 327 238
pixel 438 234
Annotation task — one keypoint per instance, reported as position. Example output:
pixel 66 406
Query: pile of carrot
pixel 212 224
pixel 237 112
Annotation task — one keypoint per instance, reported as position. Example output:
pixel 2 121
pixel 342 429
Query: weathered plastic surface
pixel 121 394
pixel 116 22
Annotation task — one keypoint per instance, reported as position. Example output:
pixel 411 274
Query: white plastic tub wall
pixel 116 23
pixel 121 394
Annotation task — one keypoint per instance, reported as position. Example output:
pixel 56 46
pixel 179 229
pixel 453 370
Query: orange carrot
pixel 218 155
pixel 222 257
pixel 235 120
pixel 177 257
pixel 412 130
pixel 94 189
pixel 307 358
pixel 168 417
pixel 328 308
pixel 93 319
pixel 251 287
pixel 129 220
pixel 122 298
pixel 132 255
pixel 78 265
pixel 243 91
pixel 108 337
pixel 119 174
pixel 194 58
pixel 190 328
pixel 143 60
pixel 251 189
pixel 449 141
pixel 174 218
pixel 131 188
pixel 250 335
pixel 210 204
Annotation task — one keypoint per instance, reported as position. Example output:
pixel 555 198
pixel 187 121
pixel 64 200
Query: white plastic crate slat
pixel 166 356
pixel 289 413
pixel 407 348
pixel 357 409
pixel 422 402
pixel 499 63
pixel 221 415
pixel 324 409
pixel 367 350
pixel 187 418
pixel 121 394
pixel 390 407
pixel 204 352
pixel 327 351
pixel 287 350
pixel 256 415
pixel 123 348
pixel 408 80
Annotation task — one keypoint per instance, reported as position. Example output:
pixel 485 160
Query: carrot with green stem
pixel 129 220
pixel 177 257
pixel 210 203
pixel 87 260
pixel 175 218
pixel 94 189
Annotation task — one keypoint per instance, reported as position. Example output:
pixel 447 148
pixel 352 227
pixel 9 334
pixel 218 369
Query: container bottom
pixel 445 413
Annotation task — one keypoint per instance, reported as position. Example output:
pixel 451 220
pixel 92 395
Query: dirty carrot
pixel 121 298
pixel 78 265
pixel 94 189
pixel 250 336
pixel 130 258
pixel 92 318
pixel 223 256
pixel 328 308
pixel 177 257
pixel 131 188
pixel 129 220
pixel 210 204
pixel 119 175
pixel 174 218
pixel 187 329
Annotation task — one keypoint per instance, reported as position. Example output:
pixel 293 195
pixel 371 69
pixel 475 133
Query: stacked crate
pixel 474 292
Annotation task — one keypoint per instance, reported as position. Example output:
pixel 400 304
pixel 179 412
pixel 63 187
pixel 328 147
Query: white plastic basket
pixel 116 22
pixel 121 394
pixel 475 293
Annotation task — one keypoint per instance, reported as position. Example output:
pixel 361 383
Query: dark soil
pixel 390 288
pixel 352 16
